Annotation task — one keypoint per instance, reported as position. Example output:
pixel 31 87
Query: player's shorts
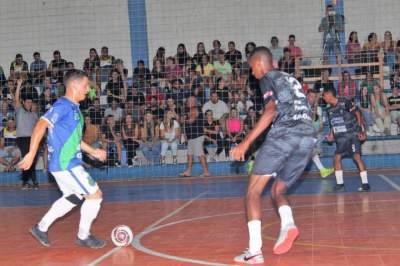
pixel 284 155
pixel 347 145
pixel 75 181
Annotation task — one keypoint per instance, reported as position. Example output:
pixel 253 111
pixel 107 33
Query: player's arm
pixel 97 153
pixel 37 135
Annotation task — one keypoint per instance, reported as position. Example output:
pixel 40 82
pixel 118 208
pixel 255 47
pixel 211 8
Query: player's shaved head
pixel 260 61
pixel 74 75
pixel 77 84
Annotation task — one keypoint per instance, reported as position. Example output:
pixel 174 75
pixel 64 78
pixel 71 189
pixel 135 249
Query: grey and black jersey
pixel 342 118
pixel 292 107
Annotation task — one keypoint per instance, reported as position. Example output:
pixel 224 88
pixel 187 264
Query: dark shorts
pixel 284 156
pixel 347 145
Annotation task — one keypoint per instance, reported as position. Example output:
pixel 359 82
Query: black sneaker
pixel 40 236
pixel 90 242
pixel 364 188
pixel 35 186
pixel 339 187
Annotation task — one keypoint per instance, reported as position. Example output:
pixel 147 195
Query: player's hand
pixel 238 152
pixel 100 154
pixel 330 137
pixel 27 161
pixel 362 136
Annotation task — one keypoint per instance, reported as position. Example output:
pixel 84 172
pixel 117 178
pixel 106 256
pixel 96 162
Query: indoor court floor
pixel 201 222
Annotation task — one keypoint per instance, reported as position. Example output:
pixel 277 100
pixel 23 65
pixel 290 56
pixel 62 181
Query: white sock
pixel 255 240
pixel 285 212
pixel 59 208
pixel 339 177
pixel 317 162
pixel 364 177
pixel 89 210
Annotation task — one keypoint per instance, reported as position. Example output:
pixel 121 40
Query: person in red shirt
pixel 295 51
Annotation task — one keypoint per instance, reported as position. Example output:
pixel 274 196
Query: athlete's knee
pixel 96 195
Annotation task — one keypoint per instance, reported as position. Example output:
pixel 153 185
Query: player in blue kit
pixel 284 154
pixel 64 122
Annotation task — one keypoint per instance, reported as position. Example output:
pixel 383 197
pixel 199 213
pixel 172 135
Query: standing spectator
pixel 222 68
pixel 394 106
pixel 58 62
pixel 380 108
pixel 26 120
pixel 366 109
pixel 114 110
pixel 200 52
pixel 233 56
pixel 194 132
pixel 9 157
pixel 160 55
pixel 116 87
pixel 170 133
pixel 369 82
pixel 370 52
pixel 92 65
pixel 106 63
pixel 111 140
pixel 141 74
pixel 287 63
pixel 295 51
pixel 353 48
pixel 38 69
pixel 347 87
pixel 150 138
pixel 182 55
pixel 276 50
pixel 130 138
pixel 216 51
pixel 205 68
pixel 218 107
pixel 173 70
pixel 19 68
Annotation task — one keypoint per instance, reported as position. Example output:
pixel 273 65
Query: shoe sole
pixel 86 246
pixel 38 238
pixel 287 244
pixel 241 262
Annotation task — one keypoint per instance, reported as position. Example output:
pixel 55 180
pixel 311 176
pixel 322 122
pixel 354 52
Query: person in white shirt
pixel 218 107
pixel 170 132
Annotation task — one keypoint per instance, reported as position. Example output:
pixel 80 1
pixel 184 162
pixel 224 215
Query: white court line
pixel 148 228
pixel 390 182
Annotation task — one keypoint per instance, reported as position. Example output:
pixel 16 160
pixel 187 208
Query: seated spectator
pixel 9 157
pixel 19 68
pixel 28 91
pixel 234 128
pixel 170 133
pixel 366 110
pixel 155 108
pixel 55 78
pixel 141 74
pixel 223 89
pixel 298 74
pixel 182 55
pixel 251 120
pixel 295 51
pixel 46 100
pixel 244 104
pixel 249 48
pixel 218 107
pixel 111 141
pixel 172 70
pixel 150 139
pixel 223 69
pixel 239 79
pixel 130 138
pixel 369 82
pixel 212 135
pixel 395 79
pixel 155 92
pixel 276 50
pixel 353 49
pixel 9 132
pixel 160 56
pixel 389 49
pixel 177 91
pixel 38 69
pixel 205 68
pixel 115 110
pixel 106 63
pixel 233 56
pixel 158 72
pixel 320 85
pixel 171 106
pixel 200 52
pixel 92 65
pixel 122 70
pixel 216 51
pixel 96 113
pixel 71 66
pixel 380 108
pixel 2 76
pixel 116 87
pixel 58 62
pixel 91 133
pixel 394 106
pixel 370 52
pixel 347 86
pixel 286 63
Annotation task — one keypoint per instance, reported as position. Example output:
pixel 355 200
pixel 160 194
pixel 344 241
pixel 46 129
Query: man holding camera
pixel 331 25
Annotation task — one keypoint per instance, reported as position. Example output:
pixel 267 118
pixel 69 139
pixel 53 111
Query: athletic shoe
pixel 35 186
pixel 26 186
pixel 364 188
pixel 250 166
pixel 249 258
pixel 90 242
pixel 339 187
pixel 287 236
pixel 324 172
pixel 40 236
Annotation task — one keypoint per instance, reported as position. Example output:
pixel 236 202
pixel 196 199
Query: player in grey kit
pixel 347 130
pixel 283 156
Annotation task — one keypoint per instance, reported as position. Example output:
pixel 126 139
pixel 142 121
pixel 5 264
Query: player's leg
pixel 356 149
pixel 338 172
pixel 343 147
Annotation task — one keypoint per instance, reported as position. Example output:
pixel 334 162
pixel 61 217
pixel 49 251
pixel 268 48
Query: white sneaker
pixel 287 236
pixel 249 258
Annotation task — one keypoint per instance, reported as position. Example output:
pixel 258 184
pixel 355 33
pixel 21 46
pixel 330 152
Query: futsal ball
pixel 122 236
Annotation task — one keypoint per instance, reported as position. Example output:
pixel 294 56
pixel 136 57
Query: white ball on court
pixel 122 236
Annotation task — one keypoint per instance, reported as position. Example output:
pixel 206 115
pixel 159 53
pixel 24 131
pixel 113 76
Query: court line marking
pixel 115 249
pixel 137 244
pixel 390 182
